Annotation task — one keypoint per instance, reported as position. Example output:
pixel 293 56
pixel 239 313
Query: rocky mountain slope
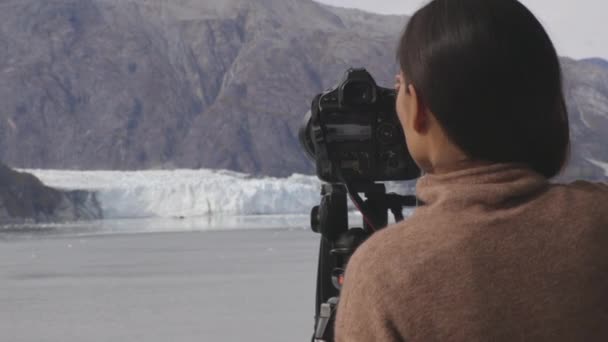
pixel 586 85
pixel 136 84
pixel 23 198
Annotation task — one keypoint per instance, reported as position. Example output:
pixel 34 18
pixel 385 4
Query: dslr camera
pixel 353 134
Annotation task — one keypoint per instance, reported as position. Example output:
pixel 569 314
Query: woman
pixel 496 253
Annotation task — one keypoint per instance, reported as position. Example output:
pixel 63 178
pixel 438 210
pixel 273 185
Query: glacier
pixel 188 193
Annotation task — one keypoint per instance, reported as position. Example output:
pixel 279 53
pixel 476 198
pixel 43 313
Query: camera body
pixel 353 134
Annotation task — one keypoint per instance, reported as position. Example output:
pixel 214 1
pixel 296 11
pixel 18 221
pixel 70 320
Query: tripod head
pixel 339 242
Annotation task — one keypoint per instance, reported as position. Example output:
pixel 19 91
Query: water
pixel 228 285
pixel 158 225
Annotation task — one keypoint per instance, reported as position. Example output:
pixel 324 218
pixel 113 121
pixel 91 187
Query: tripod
pixel 338 242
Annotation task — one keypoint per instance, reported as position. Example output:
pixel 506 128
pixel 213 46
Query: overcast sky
pixel 579 28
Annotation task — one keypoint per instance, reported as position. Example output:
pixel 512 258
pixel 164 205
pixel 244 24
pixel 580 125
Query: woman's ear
pixel 419 115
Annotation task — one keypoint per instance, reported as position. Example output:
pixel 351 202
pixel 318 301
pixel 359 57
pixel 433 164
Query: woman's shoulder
pixel 601 186
pixel 406 243
pixel 584 188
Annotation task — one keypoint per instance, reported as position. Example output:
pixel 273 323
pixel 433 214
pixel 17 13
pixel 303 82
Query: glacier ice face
pixel 188 193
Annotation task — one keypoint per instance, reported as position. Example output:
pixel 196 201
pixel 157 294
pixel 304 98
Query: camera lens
pixel 358 93
pixel 305 138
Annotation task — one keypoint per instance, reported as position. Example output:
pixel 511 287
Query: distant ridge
pixel 597 61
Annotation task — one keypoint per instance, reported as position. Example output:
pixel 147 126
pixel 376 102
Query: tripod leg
pixel 325 288
pixel 333 222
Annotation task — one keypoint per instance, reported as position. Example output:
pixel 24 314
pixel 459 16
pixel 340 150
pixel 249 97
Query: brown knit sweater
pixel 496 254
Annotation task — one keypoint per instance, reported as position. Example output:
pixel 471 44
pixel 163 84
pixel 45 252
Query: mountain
pixel 597 61
pixel 139 84
pixel 90 84
pixel 586 86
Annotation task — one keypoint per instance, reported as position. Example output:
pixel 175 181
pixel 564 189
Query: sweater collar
pixel 491 185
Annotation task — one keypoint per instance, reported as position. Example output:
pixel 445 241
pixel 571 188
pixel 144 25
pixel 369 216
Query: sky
pixel 579 28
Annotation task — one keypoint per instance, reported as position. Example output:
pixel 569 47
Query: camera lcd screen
pixel 348 132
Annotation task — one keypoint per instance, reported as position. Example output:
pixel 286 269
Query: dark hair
pixel 490 73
